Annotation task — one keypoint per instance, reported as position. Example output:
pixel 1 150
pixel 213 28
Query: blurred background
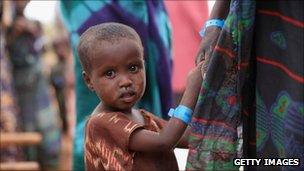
pixel 38 114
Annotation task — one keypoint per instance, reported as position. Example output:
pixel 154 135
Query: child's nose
pixel 125 81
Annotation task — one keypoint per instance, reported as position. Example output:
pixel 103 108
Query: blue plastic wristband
pixel 212 22
pixel 171 112
pixel 181 112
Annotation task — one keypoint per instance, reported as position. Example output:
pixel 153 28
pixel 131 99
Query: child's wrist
pixel 181 112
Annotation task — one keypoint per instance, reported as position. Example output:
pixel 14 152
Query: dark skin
pixel 117 76
pixel 21 24
pixel 220 11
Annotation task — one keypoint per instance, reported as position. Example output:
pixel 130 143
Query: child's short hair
pixel 109 32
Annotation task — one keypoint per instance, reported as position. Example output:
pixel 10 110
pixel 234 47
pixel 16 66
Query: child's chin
pixel 126 106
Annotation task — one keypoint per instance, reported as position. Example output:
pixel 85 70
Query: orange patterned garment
pixel 107 139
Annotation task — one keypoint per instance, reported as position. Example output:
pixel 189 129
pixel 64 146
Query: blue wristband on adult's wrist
pixel 212 22
pixel 181 112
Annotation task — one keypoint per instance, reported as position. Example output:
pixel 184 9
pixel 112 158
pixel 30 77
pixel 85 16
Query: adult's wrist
pixel 212 23
pixel 212 29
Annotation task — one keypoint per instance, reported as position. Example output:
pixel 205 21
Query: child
pixel 119 137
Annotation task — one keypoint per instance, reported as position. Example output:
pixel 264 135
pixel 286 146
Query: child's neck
pixel 103 108
pixel 132 114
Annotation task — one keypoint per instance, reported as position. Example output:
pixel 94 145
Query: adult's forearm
pixel 220 9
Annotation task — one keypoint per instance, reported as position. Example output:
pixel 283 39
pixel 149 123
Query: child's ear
pixel 87 80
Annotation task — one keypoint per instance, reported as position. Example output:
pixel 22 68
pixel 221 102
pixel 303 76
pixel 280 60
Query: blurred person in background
pixel 8 107
pixel 58 78
pixel 32 91
pixel 150 20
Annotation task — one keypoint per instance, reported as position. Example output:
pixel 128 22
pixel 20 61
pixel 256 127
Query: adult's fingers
pixel 200 57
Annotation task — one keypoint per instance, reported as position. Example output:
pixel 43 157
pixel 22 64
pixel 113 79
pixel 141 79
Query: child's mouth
pixel 128 96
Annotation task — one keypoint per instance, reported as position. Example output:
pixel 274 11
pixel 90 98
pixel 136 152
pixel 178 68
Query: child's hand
pixel 194 82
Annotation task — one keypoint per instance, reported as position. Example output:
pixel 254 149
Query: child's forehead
pixel 102 45
pixel 109 42
pixel 103 50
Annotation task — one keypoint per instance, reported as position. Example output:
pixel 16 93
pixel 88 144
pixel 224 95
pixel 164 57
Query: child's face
pixel 117 74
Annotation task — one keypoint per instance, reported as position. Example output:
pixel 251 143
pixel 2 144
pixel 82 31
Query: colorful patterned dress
pixel 253 91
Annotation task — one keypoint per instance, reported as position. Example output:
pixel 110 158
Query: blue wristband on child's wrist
pixel 212 22
pixel 181 112
pixel 171 112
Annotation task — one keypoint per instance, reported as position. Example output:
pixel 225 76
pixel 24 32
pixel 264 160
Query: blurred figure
pixel 58 79
pixel 149 19
pixel 35 112
pixel 8 107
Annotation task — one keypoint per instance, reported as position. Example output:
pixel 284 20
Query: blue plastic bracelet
pixel 212 22
pixel 181 112
pixel 171 112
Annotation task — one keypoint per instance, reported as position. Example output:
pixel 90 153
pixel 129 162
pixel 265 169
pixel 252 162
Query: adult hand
pixel 219 11
pixel 206 46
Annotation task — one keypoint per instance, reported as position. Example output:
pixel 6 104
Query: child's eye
pixel 110 74
pixel 133 68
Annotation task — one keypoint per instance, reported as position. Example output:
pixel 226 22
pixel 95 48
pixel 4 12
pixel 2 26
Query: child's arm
pixel 183 142
pixel 145 140
pixel 220 10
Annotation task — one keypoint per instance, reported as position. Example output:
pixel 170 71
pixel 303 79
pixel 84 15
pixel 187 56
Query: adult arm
pixel 220 11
